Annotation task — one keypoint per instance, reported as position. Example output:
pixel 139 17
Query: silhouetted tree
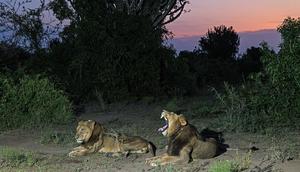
pixel 220 43
pixel 160 12
pixel 12 58
pixel 23 26
pixel 116 52
pixel 250 62
pixel 109 47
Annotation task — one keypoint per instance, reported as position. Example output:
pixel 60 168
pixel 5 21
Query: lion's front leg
pixel 184 157
pixel 156 158
pixel 78 151
pixel 168 160
pixel 163 160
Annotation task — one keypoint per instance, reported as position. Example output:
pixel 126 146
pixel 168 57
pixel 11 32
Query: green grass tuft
pixel 223 166
pixel 15 158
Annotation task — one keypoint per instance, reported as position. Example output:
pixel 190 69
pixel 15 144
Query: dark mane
pixel 181 139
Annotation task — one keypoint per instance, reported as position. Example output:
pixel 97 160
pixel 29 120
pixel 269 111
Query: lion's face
pixel 84 131
pixel 174 122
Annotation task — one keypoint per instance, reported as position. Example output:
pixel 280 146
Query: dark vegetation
pixel 116 51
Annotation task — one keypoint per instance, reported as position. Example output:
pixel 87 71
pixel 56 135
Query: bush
pixel 271 100
pixel 236 115
pixel 31 101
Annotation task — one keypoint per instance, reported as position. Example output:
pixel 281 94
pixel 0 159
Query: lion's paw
pixel 152 161
pixel 73 154
pixel 153 164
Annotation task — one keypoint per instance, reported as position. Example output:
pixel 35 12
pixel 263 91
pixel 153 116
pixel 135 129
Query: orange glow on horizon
pixel 242 15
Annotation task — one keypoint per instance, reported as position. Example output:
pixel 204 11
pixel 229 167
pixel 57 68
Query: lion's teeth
pixel 162 115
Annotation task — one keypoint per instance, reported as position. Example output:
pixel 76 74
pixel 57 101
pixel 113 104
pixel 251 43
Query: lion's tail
pixel 152 148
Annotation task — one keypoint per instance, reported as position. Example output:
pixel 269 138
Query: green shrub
pixel 271 100
pixel 235 115
pixel 31 101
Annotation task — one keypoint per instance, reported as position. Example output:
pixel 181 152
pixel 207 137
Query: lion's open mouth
pixel 163 129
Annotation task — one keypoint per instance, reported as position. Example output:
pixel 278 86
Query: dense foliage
pixel 117 53
pixel 220 43
pixel 108 51
pixel 31 102
pixel 272 99
pixel 108 55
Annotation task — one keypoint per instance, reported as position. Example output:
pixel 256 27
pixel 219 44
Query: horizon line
pixel 246 31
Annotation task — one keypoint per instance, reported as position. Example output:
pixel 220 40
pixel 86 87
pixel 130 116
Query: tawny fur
pixel 184 143
pixel 93 137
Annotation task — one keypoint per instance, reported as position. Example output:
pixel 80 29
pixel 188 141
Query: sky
pixel 243 15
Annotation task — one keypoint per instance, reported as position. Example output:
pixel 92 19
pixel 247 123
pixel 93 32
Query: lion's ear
pixel 80 122
pixel 91 124
pixel 182 120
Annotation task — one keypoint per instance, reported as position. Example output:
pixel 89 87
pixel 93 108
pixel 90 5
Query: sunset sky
pixel 243 15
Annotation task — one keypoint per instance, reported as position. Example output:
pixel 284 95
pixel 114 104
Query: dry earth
pixel 143 119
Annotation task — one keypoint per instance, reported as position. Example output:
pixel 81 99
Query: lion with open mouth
pixel 93 137
pixel 184 142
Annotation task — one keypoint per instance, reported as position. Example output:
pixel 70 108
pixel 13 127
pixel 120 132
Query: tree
pixel 250 62
pixel 220 43
pixel 23 26
pixel 12 58
pixel 116 53
pixel 270 99
pixel 160 12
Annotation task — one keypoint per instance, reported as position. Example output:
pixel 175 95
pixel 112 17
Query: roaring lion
pixel 184 142
pixel 93 137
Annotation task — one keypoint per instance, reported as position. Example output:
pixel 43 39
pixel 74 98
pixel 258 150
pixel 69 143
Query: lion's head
pixel 88 130
pixel 174 123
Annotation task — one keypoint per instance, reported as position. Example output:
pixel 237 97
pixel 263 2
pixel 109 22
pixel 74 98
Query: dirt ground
pixel 144 120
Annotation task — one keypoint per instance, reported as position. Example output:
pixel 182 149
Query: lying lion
pixel 93 137
pixel 184 142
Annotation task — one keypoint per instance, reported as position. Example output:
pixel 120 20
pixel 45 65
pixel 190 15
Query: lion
pixel 93 137
pixel 184 142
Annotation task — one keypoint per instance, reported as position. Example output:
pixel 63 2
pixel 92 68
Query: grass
pixel 223 166
pixel 52 136
pixel 203 108
pixel 166 168
pixel 238 164
pixel 174 104
pixel 15 158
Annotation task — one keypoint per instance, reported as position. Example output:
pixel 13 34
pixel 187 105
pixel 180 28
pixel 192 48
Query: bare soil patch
pixel 143 119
